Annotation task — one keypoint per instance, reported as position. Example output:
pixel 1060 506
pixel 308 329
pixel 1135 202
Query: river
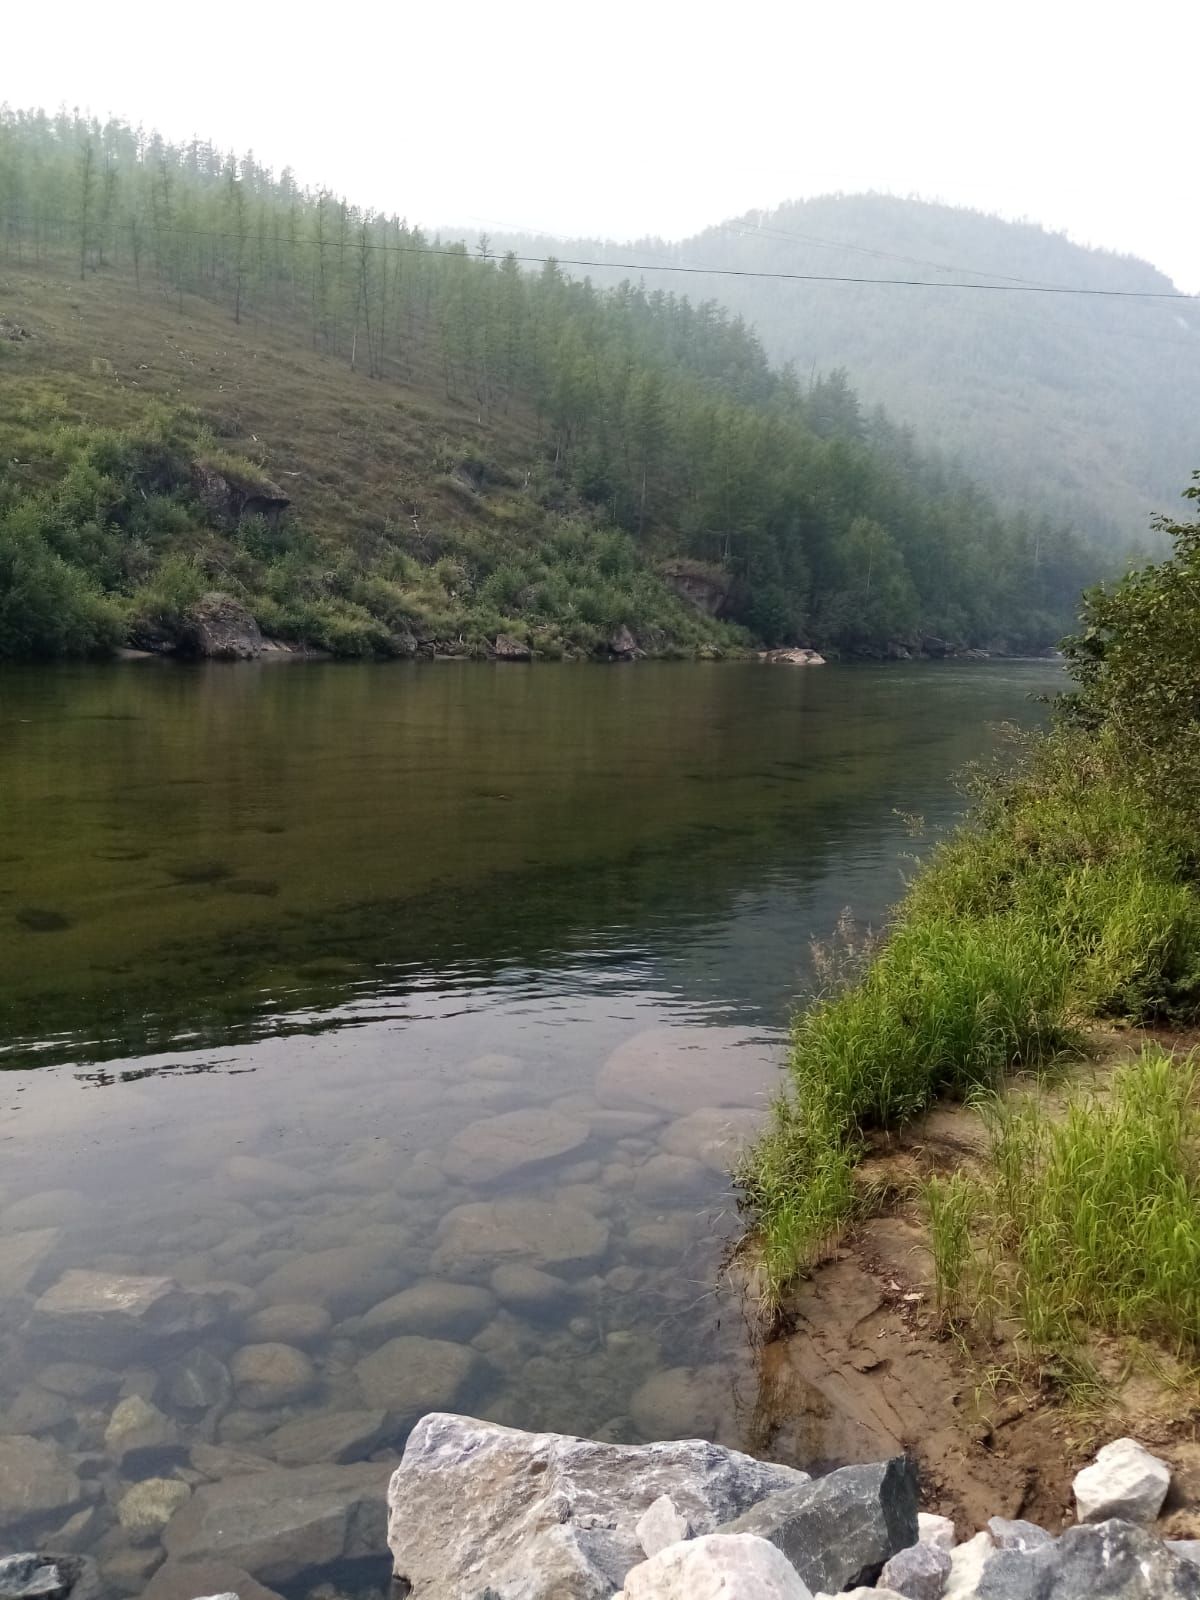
pixel 401 1015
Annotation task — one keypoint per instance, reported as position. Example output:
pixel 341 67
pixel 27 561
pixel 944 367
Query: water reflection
pixel 429 1008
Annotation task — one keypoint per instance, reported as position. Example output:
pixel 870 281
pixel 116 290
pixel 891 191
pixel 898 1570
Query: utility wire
pixel 353 244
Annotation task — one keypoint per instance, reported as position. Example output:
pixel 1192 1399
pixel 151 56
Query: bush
pixel 47 607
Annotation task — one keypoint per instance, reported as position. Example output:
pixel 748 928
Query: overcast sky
pixel 659 116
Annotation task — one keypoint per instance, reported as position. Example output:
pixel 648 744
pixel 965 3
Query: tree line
pixel 663 415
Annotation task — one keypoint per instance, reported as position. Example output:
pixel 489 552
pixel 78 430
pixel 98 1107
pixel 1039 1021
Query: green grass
pixel 1067 898
pixel 1088 1220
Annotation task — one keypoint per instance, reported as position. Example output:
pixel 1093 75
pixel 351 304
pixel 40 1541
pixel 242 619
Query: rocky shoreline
pixel 476 1511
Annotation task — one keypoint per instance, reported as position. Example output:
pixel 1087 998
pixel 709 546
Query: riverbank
pixel 1071 897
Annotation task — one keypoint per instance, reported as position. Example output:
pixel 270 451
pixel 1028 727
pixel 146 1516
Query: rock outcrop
pixel 219 628
pixel 474 1506
pixel 228 495
pixel 506 648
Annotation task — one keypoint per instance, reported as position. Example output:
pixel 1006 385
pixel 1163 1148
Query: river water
pixel 406 1018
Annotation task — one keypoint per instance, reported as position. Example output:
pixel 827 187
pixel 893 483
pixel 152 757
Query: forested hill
pixel 1084 405
pixel 214 381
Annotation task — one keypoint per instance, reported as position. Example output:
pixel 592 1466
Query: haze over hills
pixel 1085 406
pixel 218 383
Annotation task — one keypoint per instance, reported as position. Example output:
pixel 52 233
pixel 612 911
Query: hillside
pixel 1085 406
pixel 215 382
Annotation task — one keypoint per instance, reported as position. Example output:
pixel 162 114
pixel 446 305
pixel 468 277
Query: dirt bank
pixel 864 1366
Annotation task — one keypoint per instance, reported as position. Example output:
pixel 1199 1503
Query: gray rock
pixel 497 1147
pixel 715 1135
pixel 918 1573
pixel 408 1375
pixel 434 1308
pixel 472 1238
pixel 139 1434
pixel 21 1254
pixel 79 1380
pixel 1017 1535
pixel 340 1436
pixel 1098 1561
pixel 1124 1481
pixel 529 1290
pixel 219 627
pixel 1186 1549
pixel 291 1322
pixel 177 1580
pixel 199 1382
pixel 661 1524
pixel 37 1482
pixel 48 1208
pixel 145 1510
pixel 546 1515
pixel 668 1179
pixel 345 1280
pixel 34 1410
pixel 110 1317
pixel 33 1575
pixel 126 1568
pixel 267 1375
pixel 839 1530
pixel 682 1070
pixel 717 1567
pixel 280 1523
pixel 217 1461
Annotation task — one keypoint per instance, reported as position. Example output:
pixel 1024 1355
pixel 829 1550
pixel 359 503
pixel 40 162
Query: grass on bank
pixel 1088 1220
pixel 1068 897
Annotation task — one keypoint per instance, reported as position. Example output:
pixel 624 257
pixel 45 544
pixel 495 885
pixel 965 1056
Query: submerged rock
pixel 346 1279
pixel 139 1433
pixel 839 1530
pixel 715 1135
pixel 340 1436
pixel 1124 1481
pixel 473 1237
pixel 267 1375
pixel 717 1567
pixel 283 1522
pixel 535 1516
pixel 683 1070
pixel 36 1576
pixel 431 1308
pixel 145 1510
pixel 37 1483
pixel 289 1323
pixel 21 1254
pixel 497 1147
pixel 408 1375
pixel 109 1317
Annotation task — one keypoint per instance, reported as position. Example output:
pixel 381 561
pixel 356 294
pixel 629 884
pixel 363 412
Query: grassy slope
pixel 375 471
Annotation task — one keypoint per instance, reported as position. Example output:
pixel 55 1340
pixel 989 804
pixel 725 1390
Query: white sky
pixel 660 116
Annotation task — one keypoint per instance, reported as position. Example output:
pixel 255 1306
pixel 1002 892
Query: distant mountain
pixel 1084 406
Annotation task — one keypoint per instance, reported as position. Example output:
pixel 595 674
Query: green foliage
pixel 1093 1215
pixel 1136 660
pixel 47 606
pixel 1073 893
pixel 639 412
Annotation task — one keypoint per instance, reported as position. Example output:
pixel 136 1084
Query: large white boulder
pixel 719 1566
pixel 543 1516
pixel 1124 1481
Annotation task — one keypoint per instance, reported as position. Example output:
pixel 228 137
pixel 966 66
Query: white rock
pixel 545 1516
pixel 720 1566
pixel 498 1147
pixel 967 1562
pixel 1124 1481
pixel 936 1530
pixel 661 1524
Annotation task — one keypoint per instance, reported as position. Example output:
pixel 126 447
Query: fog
pixel 633 119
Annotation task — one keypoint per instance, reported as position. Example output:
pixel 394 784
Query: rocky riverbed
pixel 475 1511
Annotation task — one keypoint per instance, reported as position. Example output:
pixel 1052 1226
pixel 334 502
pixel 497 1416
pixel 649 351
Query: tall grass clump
pixel 1099 1211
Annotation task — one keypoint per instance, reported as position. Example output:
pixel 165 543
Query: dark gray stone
pixel 918 1573
pixel 839 1530
pixel 283 1522
pixel 1097 1561
pixel 199 1382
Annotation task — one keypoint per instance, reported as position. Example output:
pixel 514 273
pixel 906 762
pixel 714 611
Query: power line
pixel 353 244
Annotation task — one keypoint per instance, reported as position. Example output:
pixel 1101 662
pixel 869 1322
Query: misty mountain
pixel 1084 406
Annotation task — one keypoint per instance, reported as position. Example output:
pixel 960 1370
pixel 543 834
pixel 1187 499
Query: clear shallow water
pixel 272 938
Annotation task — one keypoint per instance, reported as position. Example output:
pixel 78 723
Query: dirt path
pixel 866 1369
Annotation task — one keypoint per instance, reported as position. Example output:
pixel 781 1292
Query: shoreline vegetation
pixel 378 443
pixel 1069 904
